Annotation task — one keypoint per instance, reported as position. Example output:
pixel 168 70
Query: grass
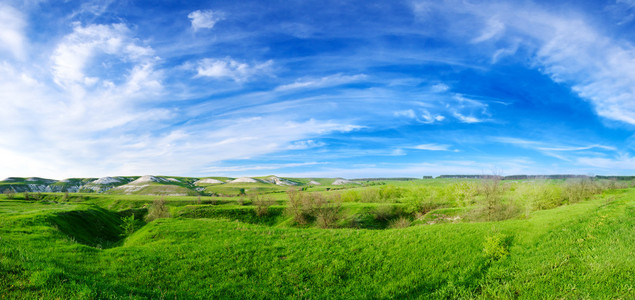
pixel 83 249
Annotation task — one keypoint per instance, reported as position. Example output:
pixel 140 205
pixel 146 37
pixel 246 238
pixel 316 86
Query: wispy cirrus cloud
pixel 326 81
pixel 568 48
pixel 433 147
pixel 230 68
pixel 12 24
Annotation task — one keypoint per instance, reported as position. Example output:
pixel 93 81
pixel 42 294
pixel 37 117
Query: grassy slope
pixel 576 251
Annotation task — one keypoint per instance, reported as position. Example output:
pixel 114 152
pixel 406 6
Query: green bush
pixel 129 225
pixel 495 247
pixel 351 196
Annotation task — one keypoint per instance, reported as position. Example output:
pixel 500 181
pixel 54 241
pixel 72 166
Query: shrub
pixel 326 211
pixel 369 195
pixel 157 210
pixel 129 225
pixel 391 192
pixel 308 207
pixel 463 192
pixel 401 222
pixel 9 193
pixel 351 196
pixel 261 204
pixel 295 206
pixel 383 212
pixel 424 199
pixel 495 247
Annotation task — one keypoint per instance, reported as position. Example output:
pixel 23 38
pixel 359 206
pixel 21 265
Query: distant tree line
pixel 520 177
pixel 386 178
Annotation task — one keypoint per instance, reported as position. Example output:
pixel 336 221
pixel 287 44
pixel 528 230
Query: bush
pixel 129 225
pixel 9 193
pixel 391 192
pixel 351 196
pixel 326 211
pixel 495 247
pixel 384 212
pixel 424 199
pixel 295 206
pixel 369 195
pixel 261 204
pixel 401 222
pixel 157 210
pixel 305 208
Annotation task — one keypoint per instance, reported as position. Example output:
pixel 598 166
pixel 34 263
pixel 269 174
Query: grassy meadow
pixel 433 238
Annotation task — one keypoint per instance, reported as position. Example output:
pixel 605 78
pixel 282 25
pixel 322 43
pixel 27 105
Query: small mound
pixel 343 182
pixel 209 181
pixel 106 180
pixel 244 180
pixel 313 182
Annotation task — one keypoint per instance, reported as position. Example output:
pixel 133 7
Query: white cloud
pixel 429 118
pixel 610 165
pixel 433 147
pixel 307 144
pixel 576 148
pixel 230 68
pixel 331 80
pixel 440 88
pixel 409 113
pixel 75 52
pixel 466 119
pixel 255 168
pixel 12 25
pixel 205 18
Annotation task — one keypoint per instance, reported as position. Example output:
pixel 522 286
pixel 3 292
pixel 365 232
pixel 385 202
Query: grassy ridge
pixel 575 251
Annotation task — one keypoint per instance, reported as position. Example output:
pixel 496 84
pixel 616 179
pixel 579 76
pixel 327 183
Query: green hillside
pixel 438 244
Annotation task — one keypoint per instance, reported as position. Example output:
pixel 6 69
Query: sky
pixel 324 88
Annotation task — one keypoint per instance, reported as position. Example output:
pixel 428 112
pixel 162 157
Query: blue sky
pixel 316 88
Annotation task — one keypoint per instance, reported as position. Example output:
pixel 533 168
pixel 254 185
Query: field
pixel 435 238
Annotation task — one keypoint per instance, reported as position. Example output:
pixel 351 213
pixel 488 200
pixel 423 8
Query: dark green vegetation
pixel 439 238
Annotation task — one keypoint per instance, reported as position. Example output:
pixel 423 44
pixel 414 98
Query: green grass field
pixel 546 242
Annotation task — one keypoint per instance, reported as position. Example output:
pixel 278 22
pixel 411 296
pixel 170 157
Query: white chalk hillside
pixel 106 180
pixel 146 179
pixel 244 180
pixel 313 182
pixel 279 181
pixel 343 182
pixel 208 181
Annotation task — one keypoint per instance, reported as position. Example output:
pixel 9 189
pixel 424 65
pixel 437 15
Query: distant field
pixel 433 238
